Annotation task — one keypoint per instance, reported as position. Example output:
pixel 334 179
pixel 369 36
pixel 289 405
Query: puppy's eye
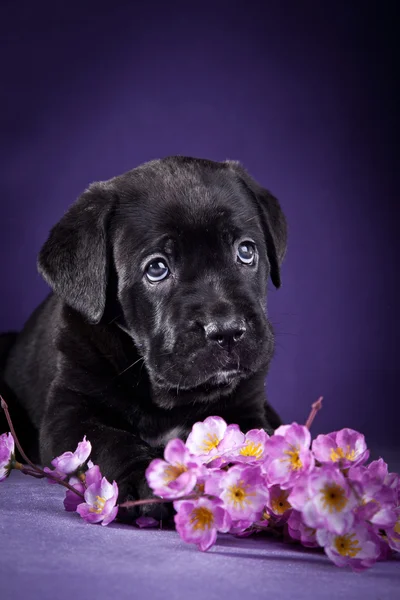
pixel 157 270
pixel 246 253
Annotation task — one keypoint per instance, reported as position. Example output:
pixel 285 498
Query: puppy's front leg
pixel 120 453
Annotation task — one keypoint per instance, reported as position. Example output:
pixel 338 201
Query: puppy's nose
pixel 225 333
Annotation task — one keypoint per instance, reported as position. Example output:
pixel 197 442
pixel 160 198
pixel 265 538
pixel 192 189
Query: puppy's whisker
pixel 114 319
pixel 130 366
pixel 177 387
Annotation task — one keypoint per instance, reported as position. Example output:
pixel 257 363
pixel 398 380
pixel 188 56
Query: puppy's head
pixel 192 243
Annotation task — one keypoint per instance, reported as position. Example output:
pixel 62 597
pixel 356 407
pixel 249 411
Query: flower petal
pixel 176 452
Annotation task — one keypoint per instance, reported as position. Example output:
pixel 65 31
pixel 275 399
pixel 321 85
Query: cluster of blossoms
pixel 320 493
pixel 88 493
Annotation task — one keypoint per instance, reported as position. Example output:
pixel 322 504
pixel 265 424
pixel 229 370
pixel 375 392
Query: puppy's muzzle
pixel 225 332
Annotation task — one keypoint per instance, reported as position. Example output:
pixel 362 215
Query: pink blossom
pixel 243 492
pixel 7 455
pixel 212 481
pixel 213 486
pixel 198 521
pixel 298 530
pixel 385 549
pixel 378 469
pixel 345 447
pixel 288 455
pixel 359 548
pixel 252 449
pixel 265 520
pixel 70 462
pixel 143 522
pixel 278 502
pixel 72 500
pixel 213 437
pixel 325 500
pixel 177 474
pixel 100 501
pixel 377 500
pixel 393 532
pixel 241 528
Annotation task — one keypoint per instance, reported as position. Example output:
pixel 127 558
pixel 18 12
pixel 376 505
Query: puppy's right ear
pixel 74 260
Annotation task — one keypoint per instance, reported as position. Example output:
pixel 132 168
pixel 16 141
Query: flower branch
pixel 320 493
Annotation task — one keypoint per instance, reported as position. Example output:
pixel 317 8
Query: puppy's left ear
pixel 272 218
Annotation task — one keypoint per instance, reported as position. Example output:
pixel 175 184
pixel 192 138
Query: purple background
pixel 302 95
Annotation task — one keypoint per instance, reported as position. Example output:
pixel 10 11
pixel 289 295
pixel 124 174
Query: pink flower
pixel 288 455
pixel 212 437
pixel 393 532
pixel 345 447
pixel 177 474
pixel 378 469
pixel 278 502
pixel 72 500
pixel 377 499
pixel 241 528
pixel 265 520
pixel 212 481
pixel 100 500
pixel 70 462
pixel 325 500
pixel 243 492
pixel 358 548
pixel 146 522
pixel 7 455
pixel 298 530
pixel 252 449
pixel 198 521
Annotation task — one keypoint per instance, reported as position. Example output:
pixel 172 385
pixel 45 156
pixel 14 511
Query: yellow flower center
pixel 252 449
pixel 397 526
pixel 338 453
pixel 172 472
pixel 347 545
pixel 210 442
pixel 333 497
pixel 238 495
pixel 280 504
pixel 201 518
pixel 266 516
pixel 98 505
pixel 293 458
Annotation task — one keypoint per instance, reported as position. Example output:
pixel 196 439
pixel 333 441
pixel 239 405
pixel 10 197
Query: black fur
pixel 127 362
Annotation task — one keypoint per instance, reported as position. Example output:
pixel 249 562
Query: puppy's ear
pixel 272 218
pixel 74 260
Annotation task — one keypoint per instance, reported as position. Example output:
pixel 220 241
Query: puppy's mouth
pixel 223 377
pixel 222 380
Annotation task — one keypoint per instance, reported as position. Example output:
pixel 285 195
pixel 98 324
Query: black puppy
pixel 157 319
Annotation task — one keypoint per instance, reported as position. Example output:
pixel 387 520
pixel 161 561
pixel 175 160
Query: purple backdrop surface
pixel 49 554
pixel 301 95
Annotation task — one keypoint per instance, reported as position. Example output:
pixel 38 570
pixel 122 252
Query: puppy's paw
pixel 140 491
